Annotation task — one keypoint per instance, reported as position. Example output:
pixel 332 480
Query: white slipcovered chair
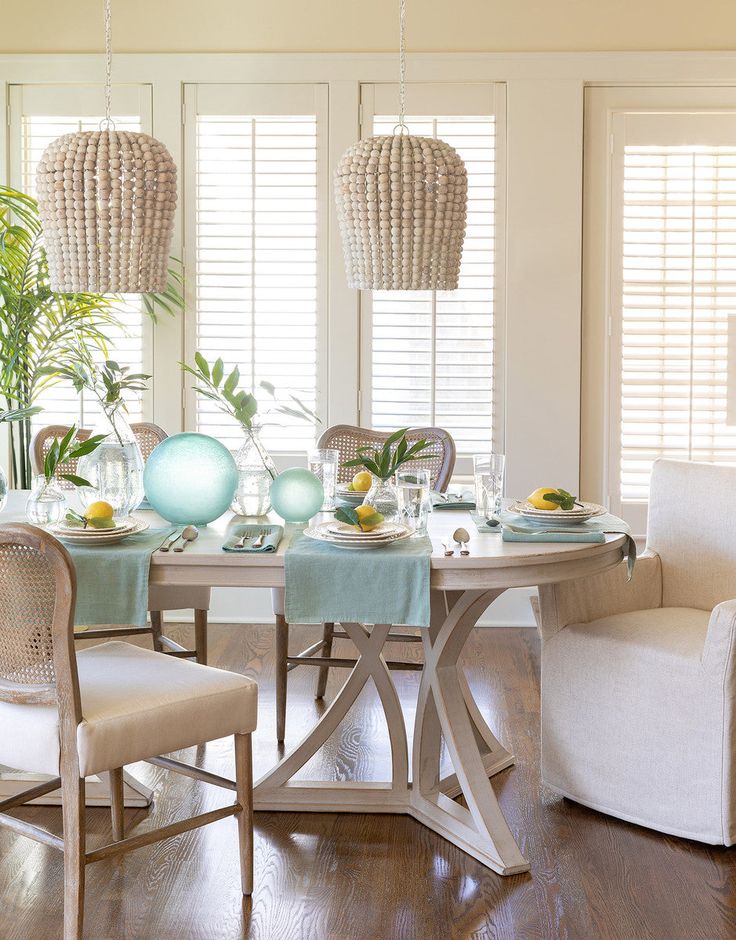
pixel 639 678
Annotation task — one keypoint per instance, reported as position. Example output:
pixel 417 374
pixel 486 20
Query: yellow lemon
pixel 98 510
pixel 365 512
pixel 539 502
pixel 362 481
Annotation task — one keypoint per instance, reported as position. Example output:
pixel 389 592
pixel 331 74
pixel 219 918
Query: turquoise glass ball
pixel 297 494
pixel 190 479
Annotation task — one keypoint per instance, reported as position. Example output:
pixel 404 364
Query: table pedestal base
pixel 446 711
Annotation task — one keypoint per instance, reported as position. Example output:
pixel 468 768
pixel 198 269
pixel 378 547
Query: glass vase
pixel 256 473
pixel 46 504
pixel 115 468
pixel 3 489
pixel 383 497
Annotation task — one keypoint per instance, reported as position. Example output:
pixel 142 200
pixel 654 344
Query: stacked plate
pixel 90 536
pixel 346 536
pixel 353 497
pixel 581 512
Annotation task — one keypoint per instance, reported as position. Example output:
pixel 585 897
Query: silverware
pixel 462 538
pixel 168 544
pixel 190 533
pixel 246 537
pixel 449 550
pixel 257 539
pixel 261 536
pixel 464 550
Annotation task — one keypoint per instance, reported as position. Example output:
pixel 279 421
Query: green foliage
pixel 66 449
pixel 384 462
pixel 349 516
pixel 76 521
pixel 238 403
pixel 563 499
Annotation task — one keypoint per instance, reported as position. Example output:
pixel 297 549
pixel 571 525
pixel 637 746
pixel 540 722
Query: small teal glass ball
pixel 190 479
pixel 297 495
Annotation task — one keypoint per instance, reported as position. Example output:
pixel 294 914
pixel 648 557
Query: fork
pixel 257 540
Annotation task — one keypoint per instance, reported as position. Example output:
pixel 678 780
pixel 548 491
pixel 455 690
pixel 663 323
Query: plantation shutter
pixel 673 294
pixel 40 114
pixel 431 357
pixel 256 239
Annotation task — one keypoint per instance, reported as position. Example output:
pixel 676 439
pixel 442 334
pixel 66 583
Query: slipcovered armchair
pixel 639 679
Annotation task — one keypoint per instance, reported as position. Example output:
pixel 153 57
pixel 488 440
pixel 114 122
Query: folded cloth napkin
pixel 112 580
pixel 516 528
pixel 328 584
pixel 452 501
pixel 270 541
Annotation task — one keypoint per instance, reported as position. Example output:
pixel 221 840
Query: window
pixel 256 230
pixel 40 114
pixel 430 356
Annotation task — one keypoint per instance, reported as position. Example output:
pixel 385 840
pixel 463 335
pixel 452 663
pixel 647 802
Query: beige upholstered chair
pixel 71 716
pixel 439 459
pixel 159 598
pixel 639 678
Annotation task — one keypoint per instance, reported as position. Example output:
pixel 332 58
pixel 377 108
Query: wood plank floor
pixel 340 877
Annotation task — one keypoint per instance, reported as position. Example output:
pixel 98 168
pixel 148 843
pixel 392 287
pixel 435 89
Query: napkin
pixel 452 501
pixel 270 541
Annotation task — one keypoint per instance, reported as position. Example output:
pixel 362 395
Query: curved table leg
pixel 443 712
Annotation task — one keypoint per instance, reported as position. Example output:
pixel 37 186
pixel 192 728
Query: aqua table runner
pixel 327 584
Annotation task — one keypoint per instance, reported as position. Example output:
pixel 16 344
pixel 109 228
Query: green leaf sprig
pixel 238 403
pixel 349 516
pixel 65 449
pixel 82 522
pixel 563 499
pixel 384 462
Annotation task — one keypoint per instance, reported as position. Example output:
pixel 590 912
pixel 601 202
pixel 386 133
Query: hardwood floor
pixel 340 877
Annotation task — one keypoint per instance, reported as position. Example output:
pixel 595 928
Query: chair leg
pixel 116 804
pixel 156 630
pixel 72 795
pixel 282 651
pixel 200 635
pixel 244 790
pixel 327 630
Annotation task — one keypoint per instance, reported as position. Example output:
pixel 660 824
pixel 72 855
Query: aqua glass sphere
pixel 190 479
pixel 297 495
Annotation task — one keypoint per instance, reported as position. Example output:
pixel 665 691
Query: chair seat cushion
pixel 136 704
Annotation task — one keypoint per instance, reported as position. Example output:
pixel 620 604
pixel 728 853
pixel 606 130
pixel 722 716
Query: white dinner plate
pixel 98 536
pixel 122 525
pixel 319 533
pixel 581 513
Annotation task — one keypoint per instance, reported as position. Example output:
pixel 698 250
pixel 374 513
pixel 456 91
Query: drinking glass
pixel 488 470
pixel 323 464
pixel 412 488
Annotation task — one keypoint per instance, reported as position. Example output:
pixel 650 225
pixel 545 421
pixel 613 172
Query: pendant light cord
pixel 402 63
pixel 108 122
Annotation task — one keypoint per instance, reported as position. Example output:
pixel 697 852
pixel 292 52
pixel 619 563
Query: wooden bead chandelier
pixel 401 205
pixel 107 200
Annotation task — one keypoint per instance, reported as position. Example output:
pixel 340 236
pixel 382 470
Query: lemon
pixel 369 513
pixel 362 481
pixel 539 502
pixel 98 510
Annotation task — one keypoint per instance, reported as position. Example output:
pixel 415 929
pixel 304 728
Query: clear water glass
pixel 415 504
pixel 323 464
pixel 488 472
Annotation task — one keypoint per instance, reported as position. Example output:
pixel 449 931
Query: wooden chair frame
pixel 161 642
pixel 64 693
pixel 320 653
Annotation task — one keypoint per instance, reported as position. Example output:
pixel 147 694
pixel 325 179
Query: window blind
pixel 678 287
pixel 432 352
pixel 257 301
pixel 60 402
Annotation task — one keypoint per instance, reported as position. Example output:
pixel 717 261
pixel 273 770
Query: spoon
pixel 189 534
pixel 461 536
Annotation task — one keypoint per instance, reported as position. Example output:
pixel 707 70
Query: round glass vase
pixel 256 473
pixel 3 488
pixel 383 497
pixel 46 504
pixel 115 468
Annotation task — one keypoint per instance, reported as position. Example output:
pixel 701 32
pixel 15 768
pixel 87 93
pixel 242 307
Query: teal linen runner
pixel 326 584
pixel 112 580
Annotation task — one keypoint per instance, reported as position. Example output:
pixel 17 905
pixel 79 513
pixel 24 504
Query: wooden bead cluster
pixel 107 200
pixel 401 206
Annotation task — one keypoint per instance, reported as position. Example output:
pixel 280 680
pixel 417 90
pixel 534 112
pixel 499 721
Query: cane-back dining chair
pixel 160 599
pixel 74 715
pixel 346 439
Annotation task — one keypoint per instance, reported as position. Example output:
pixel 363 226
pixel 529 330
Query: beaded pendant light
pixel 107 200
pixel 401 204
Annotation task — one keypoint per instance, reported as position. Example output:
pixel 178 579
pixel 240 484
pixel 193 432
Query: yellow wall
pixel 369 25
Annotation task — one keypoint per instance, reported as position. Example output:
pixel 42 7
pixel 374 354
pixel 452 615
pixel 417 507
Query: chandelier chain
pixel 402 62
pixel 108 122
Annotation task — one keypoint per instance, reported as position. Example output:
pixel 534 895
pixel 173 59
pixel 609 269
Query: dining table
pixel 461 589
